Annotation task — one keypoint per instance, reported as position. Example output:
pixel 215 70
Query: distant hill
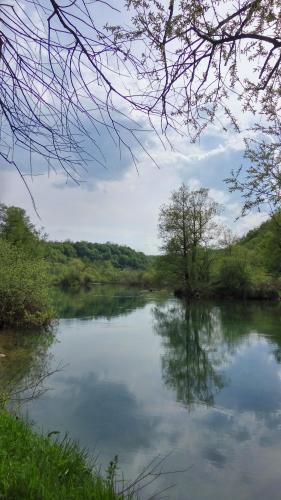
pixel 120 256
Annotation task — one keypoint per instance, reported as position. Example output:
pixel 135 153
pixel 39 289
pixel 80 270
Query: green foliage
pixel 23 273
pixel 80 274
pixel 234 277
pixel 265 242
pixel 15 227
pixel 186 226
pixel 36 467
pixel 246 267
pixel 23 289
pixel 75 275
pixel 250 267
pixel 83 264
pixel 120 256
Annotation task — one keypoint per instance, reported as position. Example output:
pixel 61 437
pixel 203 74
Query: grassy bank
pixel 33 467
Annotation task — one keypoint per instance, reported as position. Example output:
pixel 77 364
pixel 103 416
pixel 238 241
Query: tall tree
pixel 17 229
pixel 187 225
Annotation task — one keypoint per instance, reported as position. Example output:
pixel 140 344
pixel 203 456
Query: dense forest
pixel 120 256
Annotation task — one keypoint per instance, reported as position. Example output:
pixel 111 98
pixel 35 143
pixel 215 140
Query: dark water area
pixel 147 376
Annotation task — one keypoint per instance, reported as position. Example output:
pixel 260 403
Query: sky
pixel 120 202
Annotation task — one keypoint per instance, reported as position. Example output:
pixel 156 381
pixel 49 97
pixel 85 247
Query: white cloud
pixel 121 205
pixel 123 211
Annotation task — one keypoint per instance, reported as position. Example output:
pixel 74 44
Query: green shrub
pixel 23 289
pixel 75 275
pixel 234 277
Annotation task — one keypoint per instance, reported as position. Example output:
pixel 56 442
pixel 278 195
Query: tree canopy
pixel 61 86
pixel 187 225
pixel 17 229
pixel 120 256
pixel 66 75
pixel 196 52
pixel 211 62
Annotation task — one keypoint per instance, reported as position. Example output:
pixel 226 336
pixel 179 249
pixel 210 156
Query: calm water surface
pixel 146 375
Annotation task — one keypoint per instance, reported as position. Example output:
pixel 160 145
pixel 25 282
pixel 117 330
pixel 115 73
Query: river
pixel 193 390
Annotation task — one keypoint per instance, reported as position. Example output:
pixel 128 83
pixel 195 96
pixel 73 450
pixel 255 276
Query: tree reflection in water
pixel 192 357
pixel 103 301
pixel 25 364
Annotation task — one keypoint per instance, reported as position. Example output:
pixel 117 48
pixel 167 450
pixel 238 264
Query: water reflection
pixel 101 302
pixel 106 414
pixel 201 341
pixel 134 385
pixel 238 320
pixel 227 356
pixel 25 363
pixel 189 364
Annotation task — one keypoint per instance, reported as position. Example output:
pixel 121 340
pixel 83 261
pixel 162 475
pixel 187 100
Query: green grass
pixel 36 467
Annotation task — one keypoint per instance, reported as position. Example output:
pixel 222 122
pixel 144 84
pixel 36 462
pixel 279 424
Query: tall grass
pixel 35 467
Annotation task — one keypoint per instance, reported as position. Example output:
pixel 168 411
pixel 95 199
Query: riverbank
pixel 34 466
pixel 262 292
pixel 31 268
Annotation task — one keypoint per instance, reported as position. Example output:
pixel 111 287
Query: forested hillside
pixel 120 256
pixel 252 264
pixel 82 264
pixel 265 243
